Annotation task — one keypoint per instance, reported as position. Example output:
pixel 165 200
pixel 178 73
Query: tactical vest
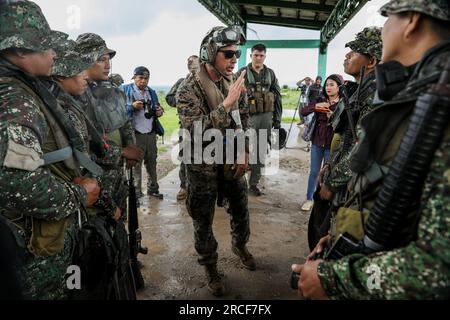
pixel 107 106
pixel 214 97
pixel 261 99
pixel 44 237
pixel 372 158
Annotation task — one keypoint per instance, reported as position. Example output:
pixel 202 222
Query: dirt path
pixel 278 238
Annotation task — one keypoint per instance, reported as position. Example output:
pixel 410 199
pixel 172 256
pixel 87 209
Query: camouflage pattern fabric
pixel 113 178
pixel 47 275
pixel 93 46
pixel 202 179
pixel 192 106
pixel 438 9
pixel 74 111
pixel 36 193
pixel 368 41
pixel 420 270
pixel 25 27
pixel 202 184
pixel 116 79
pixel 23 123
pixel 171 95
pixel 70 63
pixel 339 173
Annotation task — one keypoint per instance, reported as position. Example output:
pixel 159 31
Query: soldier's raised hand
pixel 235 91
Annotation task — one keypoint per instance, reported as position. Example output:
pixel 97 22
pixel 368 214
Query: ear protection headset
pixel 208 49
pixel 218 37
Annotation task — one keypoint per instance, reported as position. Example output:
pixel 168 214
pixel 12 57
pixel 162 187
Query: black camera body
pixel 147 107
pixel 303 88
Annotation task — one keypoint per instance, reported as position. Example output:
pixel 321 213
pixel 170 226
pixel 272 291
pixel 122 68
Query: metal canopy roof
pixel 328 16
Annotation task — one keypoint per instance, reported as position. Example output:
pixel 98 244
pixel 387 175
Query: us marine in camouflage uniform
pixel 418 268
pixel 193 65
pixel 38 197
pixel 210 99
pixel 365 53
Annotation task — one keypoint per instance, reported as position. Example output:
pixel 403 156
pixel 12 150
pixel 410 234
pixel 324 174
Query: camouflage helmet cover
pixel 91 44
pixel 219 37
pixel 438 9
pixel 70 62
pixel 368 42
pixel 23 26
pixel 116 79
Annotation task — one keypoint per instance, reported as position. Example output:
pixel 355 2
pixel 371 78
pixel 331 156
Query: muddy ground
pixel 278 236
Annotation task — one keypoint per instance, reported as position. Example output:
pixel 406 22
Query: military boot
pixel 246 257
pixel 215 284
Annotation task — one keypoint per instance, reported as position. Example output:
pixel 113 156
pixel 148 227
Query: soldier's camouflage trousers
pixel 44 278
pixel 201 202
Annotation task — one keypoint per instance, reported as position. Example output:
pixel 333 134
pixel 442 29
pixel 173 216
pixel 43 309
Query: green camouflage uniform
pixel 203 178
pixel 368 42
pixel 69 64
pixel 29 190
pixel 171 95
pixel 116 79
pixel 101 100
pixel 122 135
pixel 421 269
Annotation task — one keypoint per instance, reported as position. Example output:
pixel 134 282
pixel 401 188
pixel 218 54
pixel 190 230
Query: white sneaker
pixel 307 205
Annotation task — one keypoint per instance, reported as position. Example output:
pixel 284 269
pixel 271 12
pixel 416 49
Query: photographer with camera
pixel 303 85
pixel 144 110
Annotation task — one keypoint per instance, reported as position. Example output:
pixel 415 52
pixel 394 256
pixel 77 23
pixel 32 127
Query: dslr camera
pixel 303 89
pixel 147 107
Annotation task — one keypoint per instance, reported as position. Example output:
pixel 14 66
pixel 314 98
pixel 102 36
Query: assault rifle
pixel 135 236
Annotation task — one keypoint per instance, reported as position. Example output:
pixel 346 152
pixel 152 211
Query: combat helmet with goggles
pixel 219 37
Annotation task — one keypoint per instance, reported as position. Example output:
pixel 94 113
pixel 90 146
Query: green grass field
pixel 170 118
pixel 290 98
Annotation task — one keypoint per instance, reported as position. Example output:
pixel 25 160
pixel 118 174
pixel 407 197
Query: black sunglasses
pixel 230 53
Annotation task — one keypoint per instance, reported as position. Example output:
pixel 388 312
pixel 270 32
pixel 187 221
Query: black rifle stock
pixel 135 236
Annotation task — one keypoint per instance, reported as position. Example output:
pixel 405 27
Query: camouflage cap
pixel 69 62
pixel 116 79
pixel 23 26
pixel 91 44
pixel 438 9
pixel 368 41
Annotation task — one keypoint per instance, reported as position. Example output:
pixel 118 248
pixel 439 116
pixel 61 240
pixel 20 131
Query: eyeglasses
pixel 230 53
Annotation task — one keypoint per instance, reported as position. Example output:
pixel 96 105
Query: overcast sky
pixel 162 34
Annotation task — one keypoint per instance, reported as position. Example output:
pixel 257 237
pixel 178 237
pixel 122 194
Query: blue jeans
pixel 318 155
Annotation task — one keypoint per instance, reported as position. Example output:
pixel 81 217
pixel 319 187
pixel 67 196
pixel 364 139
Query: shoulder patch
pixel 23 149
